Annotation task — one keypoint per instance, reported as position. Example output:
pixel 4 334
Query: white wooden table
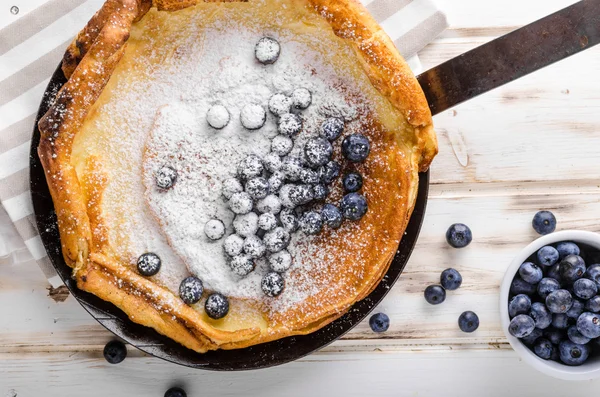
pixel 530 145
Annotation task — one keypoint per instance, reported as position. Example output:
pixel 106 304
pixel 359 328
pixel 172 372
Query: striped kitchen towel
pixel 31 48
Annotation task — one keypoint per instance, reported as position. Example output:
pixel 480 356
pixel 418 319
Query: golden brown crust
pixel 89 63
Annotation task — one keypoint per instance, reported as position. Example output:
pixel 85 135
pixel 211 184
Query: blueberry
pixel 555 355
pixel 450 279
pixel 519 286
pixel 572 353
pixel 468 321
pixel 547 256
pixel 593 304
pixel 311 222
pixel 276 181
pixel 329 172
pixel 577 308
pixel 584 288
pixel 253 116
pixel 559 301
pixel 175 392
pixel 267 50
pixel 354 206
pixel 560 321
pixel 379 322
pixel 246 225
pixel 257 188
pixel 272 284
pixel 576 337
pixel 317 151
pixel 589 325
pixel 532 337
pixel 216 306
pixel 288 220
pixel 352 182
pixel 459 235
pixel 332 128
pixel 166 177
pixel 572 268
pixel 233 245
pixel 519 304
pixel 190 290
pixel 280 261
pixel 270 204
pixel 593 273
pixel 320 192
pixel 292 167
pixel 540 314
pixel 332 216
pixel 521 326
pixel 272 162
pixel 241 203
pixel 555 335
pixel 148 264
pixel 214 229
pixel 435 294
pixel 242 265
pixel 309 176
pixel 554 272
pixel 250 167
pixel 254 247
pixel 217 116
pixel 544 222
pixel 230 187
pixel 280 104
pixel 567 248
pixel 356 148
pixel 115 352
pixel 300 195
pixel 267 221
pixel 282 145
pixel 289 124
pixel 530 273
pixel 543 348
pixel 301 98
pixel 277 239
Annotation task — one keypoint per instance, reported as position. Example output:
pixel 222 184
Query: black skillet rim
pixel 149 341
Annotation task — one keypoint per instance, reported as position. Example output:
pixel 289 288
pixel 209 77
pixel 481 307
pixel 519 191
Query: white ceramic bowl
pixel 591 368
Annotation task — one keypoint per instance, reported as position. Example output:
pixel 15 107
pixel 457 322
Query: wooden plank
pixel 375 373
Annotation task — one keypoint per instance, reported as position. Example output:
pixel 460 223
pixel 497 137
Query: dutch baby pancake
pixel 231 173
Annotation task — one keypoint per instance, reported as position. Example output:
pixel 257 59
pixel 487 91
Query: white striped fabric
pixel 31 47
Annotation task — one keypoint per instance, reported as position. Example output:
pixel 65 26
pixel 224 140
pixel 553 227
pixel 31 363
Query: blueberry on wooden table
pixel 175 392
pixel 379 322
pixel 450 279
pixel 435 294
pixel 519 304
pixel 115 352
pixel 459 235
pixel 544 222
pixel 567 248
pixel 521 326
pixel 468 321
pixel 530 273
pixel 573 353
pixel 547 256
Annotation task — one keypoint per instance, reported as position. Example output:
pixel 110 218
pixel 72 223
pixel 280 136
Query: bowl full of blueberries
pixel 550 303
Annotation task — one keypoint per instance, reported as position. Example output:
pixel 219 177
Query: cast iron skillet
pixel 146 339
pixel 507 58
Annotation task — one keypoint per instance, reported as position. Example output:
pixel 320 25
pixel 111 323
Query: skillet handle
pixel 548 40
